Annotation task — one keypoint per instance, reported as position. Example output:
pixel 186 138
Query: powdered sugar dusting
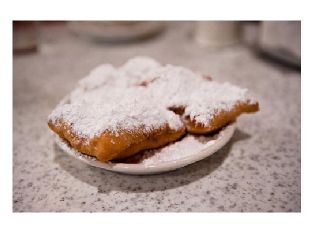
pixel 188 146
pixel 98 77
pixel 178 86
pixel 89 116
pixel 113 99
pixel 133 72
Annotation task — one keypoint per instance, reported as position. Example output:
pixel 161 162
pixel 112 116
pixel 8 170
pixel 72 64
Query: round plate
pixel 208 146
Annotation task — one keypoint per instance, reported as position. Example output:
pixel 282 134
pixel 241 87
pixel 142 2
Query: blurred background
pixel 277 42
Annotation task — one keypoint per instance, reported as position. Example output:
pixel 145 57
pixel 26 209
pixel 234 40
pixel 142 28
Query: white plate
pixel 208 146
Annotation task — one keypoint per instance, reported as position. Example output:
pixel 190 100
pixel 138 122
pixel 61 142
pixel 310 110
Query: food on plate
pixel 116 112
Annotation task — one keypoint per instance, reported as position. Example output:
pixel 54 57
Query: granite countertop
pixel 258 170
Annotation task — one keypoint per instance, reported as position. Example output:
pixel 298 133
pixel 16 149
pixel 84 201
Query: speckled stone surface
pixel 259 170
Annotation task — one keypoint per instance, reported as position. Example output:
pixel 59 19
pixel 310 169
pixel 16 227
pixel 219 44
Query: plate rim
pixel 224 137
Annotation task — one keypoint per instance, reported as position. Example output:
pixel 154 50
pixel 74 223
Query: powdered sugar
pixel 214 97
pixel 123 110
pixel 178 86
pixel 98 77
pixel 112 99
pixel 133 72
pixel 188 146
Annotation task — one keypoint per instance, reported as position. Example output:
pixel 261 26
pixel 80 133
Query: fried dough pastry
pixel 111 126
pixel 115 113
pixel 219 119
pixel 109 146
pixel 203 104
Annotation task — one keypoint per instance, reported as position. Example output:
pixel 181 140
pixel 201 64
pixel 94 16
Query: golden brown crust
pixel 109 146
pixel 122 110
pixel 220 119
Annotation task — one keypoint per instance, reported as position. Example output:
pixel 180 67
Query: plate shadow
pixel 106 181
